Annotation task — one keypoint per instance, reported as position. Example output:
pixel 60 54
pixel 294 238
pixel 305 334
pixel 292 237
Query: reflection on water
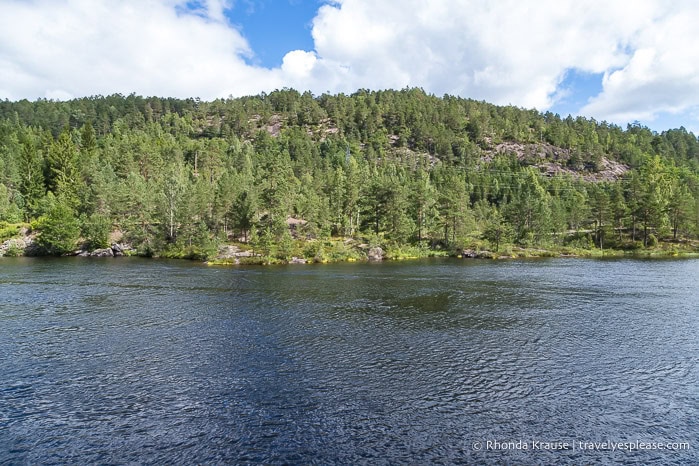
pixel 131 361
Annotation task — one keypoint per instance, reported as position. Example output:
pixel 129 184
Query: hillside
pixel 401 170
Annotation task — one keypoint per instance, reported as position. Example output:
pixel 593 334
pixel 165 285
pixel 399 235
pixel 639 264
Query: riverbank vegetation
pixel 287 176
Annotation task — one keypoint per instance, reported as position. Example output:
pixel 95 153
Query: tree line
pixel 387 167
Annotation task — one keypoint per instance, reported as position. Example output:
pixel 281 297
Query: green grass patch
pixel 397 252
pixel 11 230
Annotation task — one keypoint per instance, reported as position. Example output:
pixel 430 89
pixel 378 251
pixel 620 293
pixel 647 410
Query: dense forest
pixel 324 177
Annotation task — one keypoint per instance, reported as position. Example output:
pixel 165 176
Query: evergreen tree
pixel 60 228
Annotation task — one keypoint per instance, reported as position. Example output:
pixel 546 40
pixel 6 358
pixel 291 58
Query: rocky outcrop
pixel 375 254
pixel 106 252
pixel 231 252
pixel 472 254
pixel 115 250
pixel 27 246
pixel 555 161
pixel 24 246
pixel 13 247
pixel 120 249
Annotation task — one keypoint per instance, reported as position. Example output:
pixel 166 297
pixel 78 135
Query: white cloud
pixel 62 48
pixel 662 74
pixel 506 51
pixel 502 51
pixel 518 52
pixel 299 63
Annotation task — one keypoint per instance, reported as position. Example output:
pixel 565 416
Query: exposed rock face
pixel 375 254
pixel 231 252
pixel 32 248
pixel 12 247
pixel 552 161
pixel 106 252
pixel 120 249
pixel 469 253
pixel 20 247
pixel 28 247
pixel 297 260
pixel 115 250
pixel 226 252
pixel 13 243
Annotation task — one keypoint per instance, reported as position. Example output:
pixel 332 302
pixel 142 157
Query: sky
pixel 620 61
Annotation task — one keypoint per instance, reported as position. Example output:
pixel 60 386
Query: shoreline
pixel 480 256
pixel 342 249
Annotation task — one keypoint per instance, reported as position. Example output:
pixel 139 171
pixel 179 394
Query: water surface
pixel 160 362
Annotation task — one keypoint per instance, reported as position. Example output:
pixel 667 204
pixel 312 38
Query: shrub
pixel 652 241
pixel 8 231
pixel 60 230
pixel 96 231
pixel 14 250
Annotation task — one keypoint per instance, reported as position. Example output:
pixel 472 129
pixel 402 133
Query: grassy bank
pixel 337 250
pixel 14 238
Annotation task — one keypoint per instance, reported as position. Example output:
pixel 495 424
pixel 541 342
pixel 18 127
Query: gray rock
pixel 121 249
pixel 375 254
pixel 469 254
pixel 106 252
pixel 226 252
pixel 18 243
pixel 32 249
pixel 117 249
pixel 13 243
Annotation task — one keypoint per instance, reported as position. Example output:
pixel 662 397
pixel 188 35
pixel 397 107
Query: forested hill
pixel 395 168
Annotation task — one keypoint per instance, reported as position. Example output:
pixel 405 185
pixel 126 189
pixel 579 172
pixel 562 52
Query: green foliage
pixel 264 243
pixel 14 250
pixel 96 229
pixel 11 230
pixel 374 240
pixel 497 231
pixel 407 251
pixel 182 251
pixel 331 251
pixel 403 169
pixel 287 248
pixel 314 251
pixel 9 211
pixel 580 241
pixel 336 251
pixel 652 241
pixel 59 229
pixel 64 175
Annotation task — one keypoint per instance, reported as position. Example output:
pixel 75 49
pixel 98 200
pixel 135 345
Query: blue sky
pixel 575 90
pixel 274 28
pixel 626 65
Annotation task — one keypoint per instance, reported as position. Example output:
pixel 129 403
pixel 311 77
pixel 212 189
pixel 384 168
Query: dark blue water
pixel 157 362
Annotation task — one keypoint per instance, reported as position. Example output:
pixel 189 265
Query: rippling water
pixel 157 362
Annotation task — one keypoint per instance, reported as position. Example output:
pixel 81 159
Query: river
pixel 440 361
